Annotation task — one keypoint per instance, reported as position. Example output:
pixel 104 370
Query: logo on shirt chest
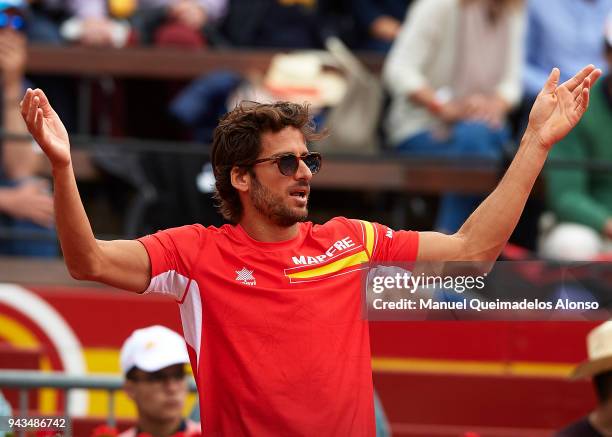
pixel 342 257
pixel 334 250
pixel 246 276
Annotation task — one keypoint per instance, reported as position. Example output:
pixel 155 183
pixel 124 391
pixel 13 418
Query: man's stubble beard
pixel 273 207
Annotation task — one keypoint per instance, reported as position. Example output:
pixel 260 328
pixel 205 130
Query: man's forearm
pixel 79 246
pixel 488 229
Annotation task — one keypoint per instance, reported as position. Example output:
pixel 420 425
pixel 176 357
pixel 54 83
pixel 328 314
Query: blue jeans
pixel 43 243
pixel 466 140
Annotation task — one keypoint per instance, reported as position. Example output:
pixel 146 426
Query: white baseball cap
pixel 153 348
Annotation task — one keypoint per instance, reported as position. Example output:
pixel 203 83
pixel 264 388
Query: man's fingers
pixel 577 93
pixel 44 101
pixel 31 114
pixel 588 82
pixel 35 108
pixel 584 101
pixel 594 76
pixel 30 107
pixel 39 121
pixel 553 80
pixel 25 103
pixel 577 80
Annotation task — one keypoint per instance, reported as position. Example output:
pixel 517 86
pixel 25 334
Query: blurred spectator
pixel 281 23
pixel 5 411
pixel 567 36
pixel 85 22
pixel 177 22
pixel 187 24
pixel 582 199
pixel 598 367
pixel 25 203
pixel 378 22
pixel 58 22
pixel 447 102
pixel 153 361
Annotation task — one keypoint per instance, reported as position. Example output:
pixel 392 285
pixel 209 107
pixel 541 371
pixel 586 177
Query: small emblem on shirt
pixel 389 233
pixel 245 276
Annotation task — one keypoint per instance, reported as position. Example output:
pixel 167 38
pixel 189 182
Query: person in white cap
pixel 598 367
pixel 153 361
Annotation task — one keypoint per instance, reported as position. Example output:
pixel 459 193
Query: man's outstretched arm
pixel 123 263
pixel 482 237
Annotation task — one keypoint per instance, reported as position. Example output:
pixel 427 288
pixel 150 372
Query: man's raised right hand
pixel 46 127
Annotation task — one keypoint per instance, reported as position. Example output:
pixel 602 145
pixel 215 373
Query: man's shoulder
pixel 184 237
pixel 359 230
pixel 338 223
pixel 199 229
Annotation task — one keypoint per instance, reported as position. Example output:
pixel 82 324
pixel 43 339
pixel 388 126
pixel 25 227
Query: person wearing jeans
pixel 446 102
pixel 26 205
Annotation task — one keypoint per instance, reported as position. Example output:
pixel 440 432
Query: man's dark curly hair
pixel 237 142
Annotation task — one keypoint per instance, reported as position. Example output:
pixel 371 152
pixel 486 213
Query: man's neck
pixel 267 232
pixel 158 429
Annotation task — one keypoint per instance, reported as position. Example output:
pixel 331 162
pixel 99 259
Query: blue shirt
pixel 568 34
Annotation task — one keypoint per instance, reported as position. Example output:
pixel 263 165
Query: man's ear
pixel 241 179
pixel 129 388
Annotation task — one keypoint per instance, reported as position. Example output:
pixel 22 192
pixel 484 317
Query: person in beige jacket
pixel 453 74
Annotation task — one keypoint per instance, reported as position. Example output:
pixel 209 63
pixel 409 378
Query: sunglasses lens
pixel 14 21
pixel 313 162
pixel 178 375
pixel 288 165
pixel 17 23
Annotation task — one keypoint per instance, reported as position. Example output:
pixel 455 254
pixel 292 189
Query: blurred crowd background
pixel 454 84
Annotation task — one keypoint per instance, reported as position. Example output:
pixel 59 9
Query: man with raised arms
pixel 278 346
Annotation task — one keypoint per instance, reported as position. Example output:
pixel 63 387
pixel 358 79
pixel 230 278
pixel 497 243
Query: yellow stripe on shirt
pixel 369 237
pixel 334 267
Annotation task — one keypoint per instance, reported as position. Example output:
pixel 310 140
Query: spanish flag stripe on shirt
pixel 334 267
pixel 369 237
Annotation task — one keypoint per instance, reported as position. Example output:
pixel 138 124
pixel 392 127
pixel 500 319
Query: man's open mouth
pixel 299 192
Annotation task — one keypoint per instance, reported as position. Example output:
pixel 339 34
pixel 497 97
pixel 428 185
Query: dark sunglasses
pixel 289 163
pixel 160 377
pixel 11 20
